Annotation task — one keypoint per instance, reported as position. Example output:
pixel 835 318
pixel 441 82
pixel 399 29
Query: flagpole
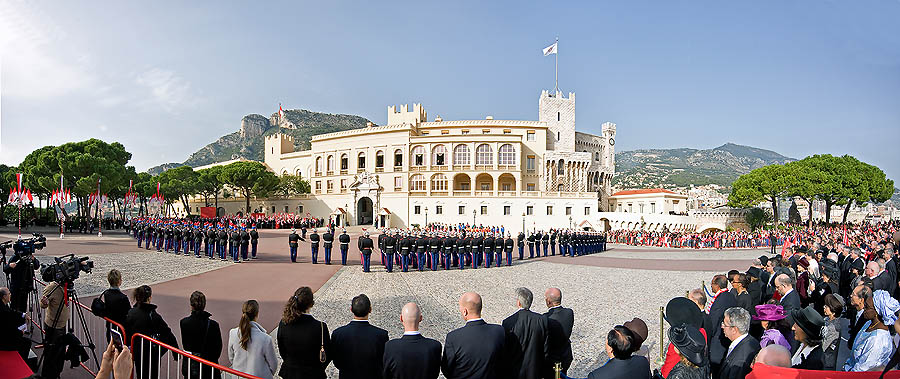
pixel 557 65
pixel 99 215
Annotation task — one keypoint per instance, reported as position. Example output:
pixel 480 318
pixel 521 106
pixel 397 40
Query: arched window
pixel 417 182
pixel 361 160
pixel 438 182
pixel 438 154
pixel 418 154
pixel 461 155
pixel 507 154
pixel 297 172
pixel 561 167
pixel 345 161
pixel 484 155
pixel 318 165
pixel 398 158
pixel 330 163
pixel 379 159
pixel 597 156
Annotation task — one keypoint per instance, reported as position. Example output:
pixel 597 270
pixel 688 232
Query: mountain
pixel 248 142
pixel 671 168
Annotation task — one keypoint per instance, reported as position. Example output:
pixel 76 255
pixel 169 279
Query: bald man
pixel 774 355
pixel 476 349
pixel 560 321
pixel 413 355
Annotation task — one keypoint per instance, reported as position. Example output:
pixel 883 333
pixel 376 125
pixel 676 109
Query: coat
pixel 474 351
pixel 718 344
pixel 737 364
pixel 527 343
pixel 299 344
pixel 412 357
pixel 259 358
pixel 143 319
pixel 635 367
pixel 201 336
pixel 560 322
pixel 357 350
pixel 815 360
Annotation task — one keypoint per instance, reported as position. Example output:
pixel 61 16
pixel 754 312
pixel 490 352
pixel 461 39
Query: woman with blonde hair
pixel 250 347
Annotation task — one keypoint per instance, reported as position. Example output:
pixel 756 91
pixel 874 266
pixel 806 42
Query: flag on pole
pixel 785 246
pixel 280 112
pixel 846 240
pixel 552 49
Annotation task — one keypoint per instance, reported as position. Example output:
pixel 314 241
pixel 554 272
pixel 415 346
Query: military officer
pixel 314 246
pixel 245 244
pixel 477 245
pixel 327 241
pixel 508 248
pixel 499 244
pixel 254 240
pixel 388 251
pixel 293 241
pixel 235 240
pixel 421 247
pixel 545 240
pixel 405 246
pixel 520 242
pixel 447 249
pixel 344 241
pixel 222 242
pixel 531 239
pixel 434 248
pixel 488 249
pixel 553 233
pixel 365 247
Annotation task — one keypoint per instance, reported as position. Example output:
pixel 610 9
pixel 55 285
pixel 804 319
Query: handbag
pixel 322 357
pixel 98 306
pixel 194 365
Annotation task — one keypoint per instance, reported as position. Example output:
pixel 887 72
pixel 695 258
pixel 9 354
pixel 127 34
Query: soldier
pixel 459 250
pixel 209 240
pixel 553 233
pixel 467 249
pixel 508 248
pixel 488 249
pixel 499 243
pixel 187 238
pixel 198 239
pixel 520 240
pixel 477 244
pixel 421 247
pixel 235 240
pixel 531 245
pixel 434 248
pixel 328 240
pixel 381 238
pixel 446 249
pixel 314 246
pixel 545 240
pixel 344 240
pixel 293 241
pixel 303 226
pixel 254 240
pixel 222 242
pixel 245 244
pixel 405 245
pixel 388 251
pixel 176 238
pixel 365 247
pixel 138 230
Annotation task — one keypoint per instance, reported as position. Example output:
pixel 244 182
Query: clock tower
pixel 609 152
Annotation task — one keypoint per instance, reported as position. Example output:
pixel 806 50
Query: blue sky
pixel 165 78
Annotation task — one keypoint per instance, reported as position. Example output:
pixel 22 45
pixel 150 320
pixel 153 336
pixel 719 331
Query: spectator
pixel 412 356
pixel 12 326
pixel 790 300
pixel 116 304
pixel 774 355
pixel 698 296
pixel 622 364
pixel 716 340
pixel 201 337
pixel 477 349
pixel 116 364
pixel 690 346
pixel 639 328
pixel 357 349
pixel 743 347
pixel 680 311
pixel 303 341
pixel 772 319
pixel 527 338
pixel 831 344
pixel 859 298
pixel 873 345
pixel 560 321
pixel 250 347
pixel 803 280
pixel 143 319
pixel 808 330
pixel 739 283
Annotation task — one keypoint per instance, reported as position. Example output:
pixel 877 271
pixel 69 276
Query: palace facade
pixel 532 174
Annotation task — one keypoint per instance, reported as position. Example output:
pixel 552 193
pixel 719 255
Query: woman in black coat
pixel 809 330
pixel 302 340
pixel 201 337
pixel 143 319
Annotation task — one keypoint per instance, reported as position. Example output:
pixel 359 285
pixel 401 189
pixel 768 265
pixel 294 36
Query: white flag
pixel 550 49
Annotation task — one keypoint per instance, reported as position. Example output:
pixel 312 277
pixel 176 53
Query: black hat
pixel 857 264
pixel 810 321
pixel 753 272
pixel 682 310
pixel 690 342
pixel 763 260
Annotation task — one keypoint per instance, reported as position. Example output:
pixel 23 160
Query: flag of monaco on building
pixel 280 112
pixel 551 49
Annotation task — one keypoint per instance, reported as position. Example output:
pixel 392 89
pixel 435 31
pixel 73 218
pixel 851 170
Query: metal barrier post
pixel 662 352
pixel 143 340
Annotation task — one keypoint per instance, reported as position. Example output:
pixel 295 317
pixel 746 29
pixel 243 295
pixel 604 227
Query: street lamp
pixel 473 217
pixel 570 222
pixel 523 222
pixel 426 217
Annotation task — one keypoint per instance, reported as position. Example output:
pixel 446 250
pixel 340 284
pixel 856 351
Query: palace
pixel 520 174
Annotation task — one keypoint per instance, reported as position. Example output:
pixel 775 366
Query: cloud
pixel 167 90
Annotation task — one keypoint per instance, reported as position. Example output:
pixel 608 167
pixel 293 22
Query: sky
pixel 165 78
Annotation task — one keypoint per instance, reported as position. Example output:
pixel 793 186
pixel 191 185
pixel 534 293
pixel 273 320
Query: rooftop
pixel 644 192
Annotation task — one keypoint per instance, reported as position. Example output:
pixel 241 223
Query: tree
pixel 250 179
pixel 179 183
pixel 144 186
pixel 805 181
pixel 766 183
pixel 756 218
pixel 292 185
pixel 865 183
pixel 209 184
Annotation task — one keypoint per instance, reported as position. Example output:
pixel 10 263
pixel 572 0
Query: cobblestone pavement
pixel 601 298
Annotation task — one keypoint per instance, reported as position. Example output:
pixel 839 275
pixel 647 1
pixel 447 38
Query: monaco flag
pixel 552 49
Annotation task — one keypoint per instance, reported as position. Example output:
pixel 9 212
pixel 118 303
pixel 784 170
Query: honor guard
pixel 327 241
pixel 344 240
pixel 198 239
pixel 388 251
pixel 293 241
pixel 421 248
pixel 488 249
pixel 221 242
pixel 381 238
pixel 254 240
pixel 531 239
pixel 234 240
pixel 176 238
pixel 553 241
pixel 365 247
pixel 434 249
pixel 508 248
pixel 245 244
pixel 314 246
pixel 545 240
pixel 520 239
pixel 405 245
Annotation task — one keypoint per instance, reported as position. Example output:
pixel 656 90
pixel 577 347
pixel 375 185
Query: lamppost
pixel 473 218
pixel 426 217
pixel 523 222
pixel 570 222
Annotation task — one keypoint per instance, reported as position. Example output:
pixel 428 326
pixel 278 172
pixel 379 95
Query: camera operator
pixel 21 268
pixel 55 319
pixel 12 327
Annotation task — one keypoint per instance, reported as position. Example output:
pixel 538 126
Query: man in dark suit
pixel 357 349
pixel 477 349
pixel 743 347
pixel 622 364
pixel 560 322
pixel 790 300
pixel 881 278
pixel 717 342
pixel 527 338
pixel 12 326
pixel 858 298
pixel 412 356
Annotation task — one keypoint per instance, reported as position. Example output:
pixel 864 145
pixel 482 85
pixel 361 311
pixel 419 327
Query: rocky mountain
pixel 672 168
pixel 248 142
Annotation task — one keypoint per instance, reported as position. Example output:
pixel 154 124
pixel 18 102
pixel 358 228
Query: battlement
pixel 557 95
pixel 402 114
pixel 608 127
pixel 276 136
pixel 278 144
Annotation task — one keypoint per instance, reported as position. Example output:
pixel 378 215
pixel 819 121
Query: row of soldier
pixel 236 242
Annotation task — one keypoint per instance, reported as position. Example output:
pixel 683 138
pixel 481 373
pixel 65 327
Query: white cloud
pixel 167 90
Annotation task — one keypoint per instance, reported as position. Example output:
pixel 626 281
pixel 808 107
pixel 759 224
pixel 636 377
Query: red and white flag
pixel 552 49
pixel 280 113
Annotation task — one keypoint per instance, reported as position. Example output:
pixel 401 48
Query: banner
pixel 208 212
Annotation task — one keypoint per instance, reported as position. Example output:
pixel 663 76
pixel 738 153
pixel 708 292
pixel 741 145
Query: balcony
pixel 439 193
pixel 439 168
pixel 418 193
pixel 506 193
pixel 318 173
pixel 484 167
pixel 360 170
pixel 531 193
pixel 344 172
pixel 508 167
pixel 484 193
pixel 418 168
pixel 379 169
pixel 329 173
pixel 462 167
pixel 398 168
pixel 462 193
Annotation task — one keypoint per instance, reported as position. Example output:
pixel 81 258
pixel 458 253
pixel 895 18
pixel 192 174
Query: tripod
pixel 54 363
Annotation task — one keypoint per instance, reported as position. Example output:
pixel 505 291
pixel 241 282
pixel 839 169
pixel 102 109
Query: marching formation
pixel 217 239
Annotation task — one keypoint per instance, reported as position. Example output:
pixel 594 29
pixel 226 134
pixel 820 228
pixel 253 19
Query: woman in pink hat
pixel 772 319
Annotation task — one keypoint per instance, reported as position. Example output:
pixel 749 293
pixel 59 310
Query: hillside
pixel 670 168
pixel 248 142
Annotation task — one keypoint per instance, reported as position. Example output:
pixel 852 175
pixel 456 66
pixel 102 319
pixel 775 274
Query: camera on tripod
pixel 27 247
pixel 66 269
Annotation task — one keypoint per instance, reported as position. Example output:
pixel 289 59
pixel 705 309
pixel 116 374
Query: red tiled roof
pixel 643 191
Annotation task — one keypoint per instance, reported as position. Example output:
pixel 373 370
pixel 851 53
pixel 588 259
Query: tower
pixel 276 145
pixel 559 114
pixel 609 151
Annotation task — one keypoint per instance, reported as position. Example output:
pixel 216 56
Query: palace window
pixel 379 159
pixel 529 163
pixel 507 210
pixel 398 182
pixel 597 156
pixel 529 136
pixel 398 158
pixel 417 182
pixel 439 182
pixel 330 163
pixel 529 187
pixel 559 187
pixel 461 155
pixel 484 209
pixel 438 209
pixel 329 186
pixel 529 210
pixel 587 211
pixel 652 207
pixel 462 209
pixel 417 209
pixel 318 185
pixel 438 154
pixel 345 162
pixel 483 155
pixel 549 210
pixel 361 161
pixel 343 184
pixel 561 167
pixel 318 165
pixel 418 154
pixel 507 154
pixel 568 211
pixel 464 132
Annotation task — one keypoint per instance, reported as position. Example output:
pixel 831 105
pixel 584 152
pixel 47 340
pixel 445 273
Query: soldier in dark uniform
pixel 138 229
pixel 293 241
pixel 477 245
pixel 508 248
pixel 235 240
pixel 405 245
pixel 222 242
pixel 545 240
pixel 553 234
pixel 531 239
pixel 388 251
pixel 498 248
pixel 254 240
pixel 446 248
pixel 209 240
pixel 459 248
pixel 302 230
pixel 344 240
pixel 381 238
pixel 488 249
pixel 365 247
pixel 314 246
pixel 520 242
pixel 245 244
pixel 421 247
pixel 177 238
pixel 434 248
pixel 328 240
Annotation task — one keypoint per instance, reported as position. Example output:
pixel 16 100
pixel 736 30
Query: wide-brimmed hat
pixel 639 328
pixel 769 312
pixel 682 310
pixel 690 343
pixel 763 260
pixel 810 321
pixel 754 272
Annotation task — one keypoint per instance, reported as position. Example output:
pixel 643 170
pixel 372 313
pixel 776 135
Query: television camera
pixel 66 269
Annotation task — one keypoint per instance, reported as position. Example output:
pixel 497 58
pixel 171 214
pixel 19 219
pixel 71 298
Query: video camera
pixel 25 247
pixel 66 269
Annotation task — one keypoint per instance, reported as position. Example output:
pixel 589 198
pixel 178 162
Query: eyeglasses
pixel 726 325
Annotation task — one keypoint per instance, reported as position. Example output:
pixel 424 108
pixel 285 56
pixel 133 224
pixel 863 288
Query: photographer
pixel 21 268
